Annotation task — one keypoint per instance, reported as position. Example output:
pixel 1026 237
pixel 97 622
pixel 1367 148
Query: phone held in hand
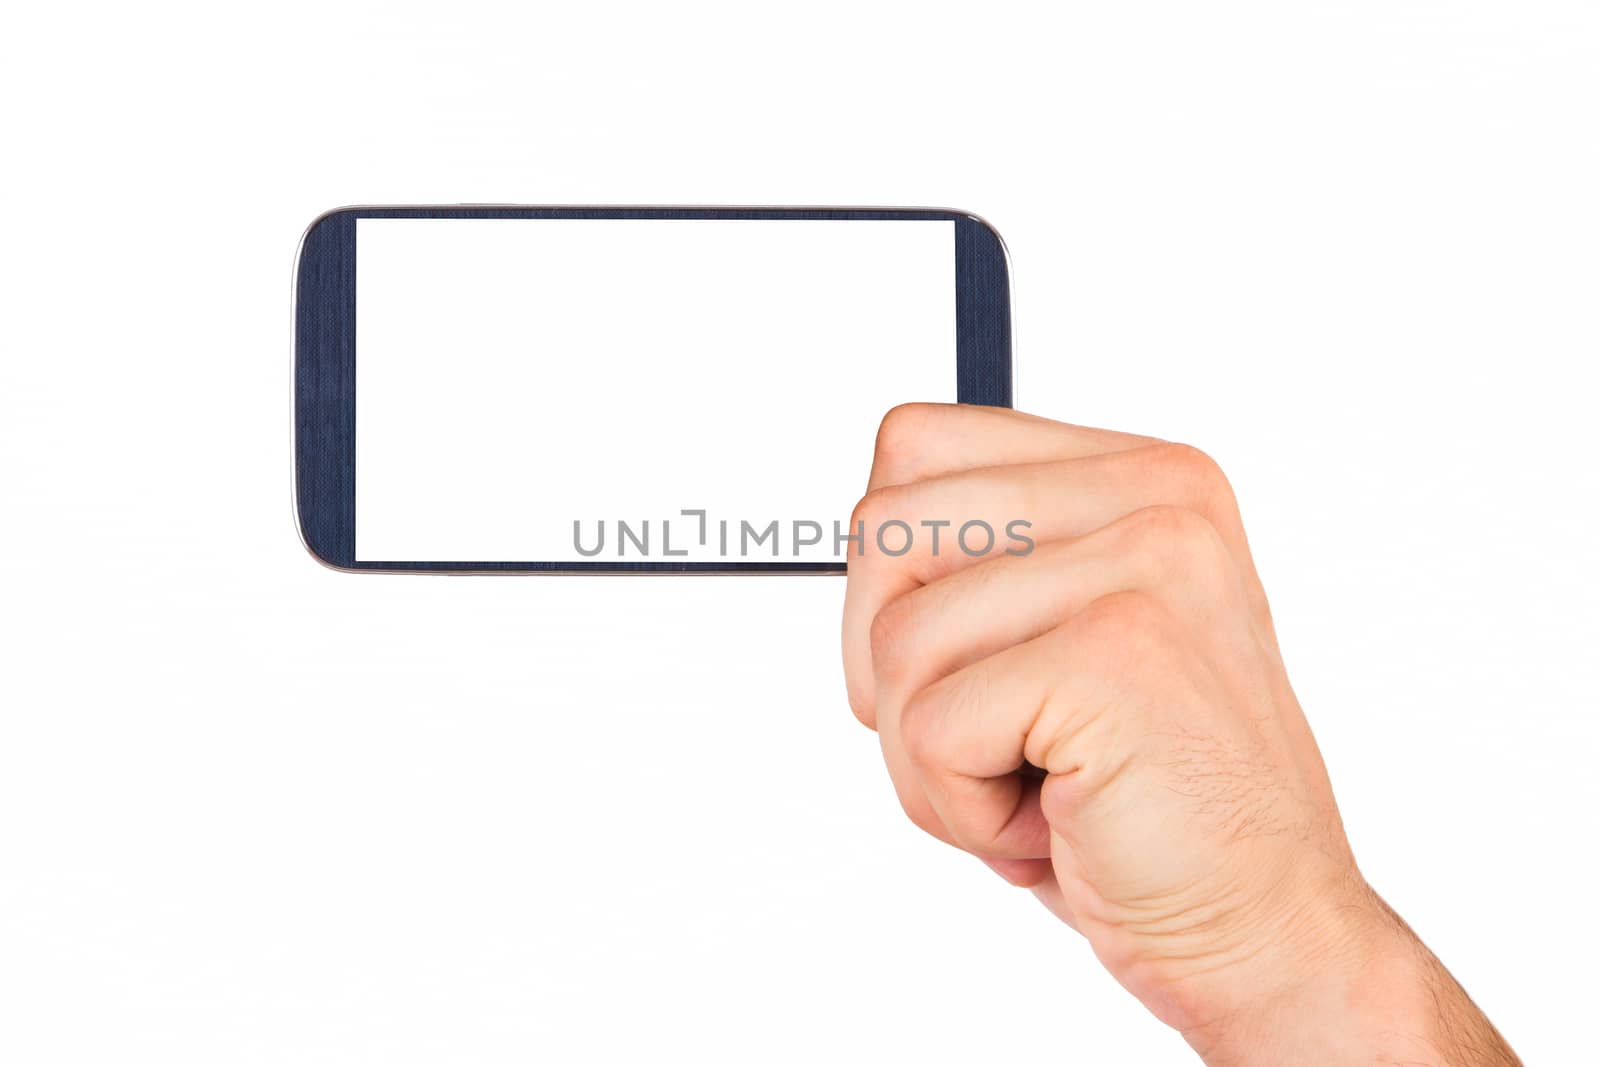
pixel 488 389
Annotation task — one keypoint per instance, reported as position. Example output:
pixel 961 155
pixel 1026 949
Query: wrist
pixel 1352 986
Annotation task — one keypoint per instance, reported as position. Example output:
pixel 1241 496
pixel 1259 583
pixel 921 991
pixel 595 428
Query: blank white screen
pixel 516 375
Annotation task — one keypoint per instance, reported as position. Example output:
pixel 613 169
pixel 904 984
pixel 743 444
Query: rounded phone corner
pixel 325 218
pixel 316 552
pixel 973 216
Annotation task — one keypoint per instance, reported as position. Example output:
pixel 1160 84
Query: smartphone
pixel 491 389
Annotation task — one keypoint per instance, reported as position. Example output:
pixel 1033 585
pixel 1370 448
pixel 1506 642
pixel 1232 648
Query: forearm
pixel 1392 1002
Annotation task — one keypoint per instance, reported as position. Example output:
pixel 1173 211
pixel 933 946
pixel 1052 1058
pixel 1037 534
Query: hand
pixel 1104 717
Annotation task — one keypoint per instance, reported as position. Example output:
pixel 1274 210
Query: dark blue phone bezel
pixel 325 358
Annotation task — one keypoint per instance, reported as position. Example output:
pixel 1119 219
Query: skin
pixel 1106 720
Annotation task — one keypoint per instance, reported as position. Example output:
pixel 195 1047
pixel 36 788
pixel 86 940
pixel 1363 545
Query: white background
pixel 256 812
pixel 517 376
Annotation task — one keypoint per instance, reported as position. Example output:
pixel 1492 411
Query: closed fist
pixel 1097 708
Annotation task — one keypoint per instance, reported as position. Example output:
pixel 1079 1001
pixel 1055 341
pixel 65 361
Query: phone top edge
pixel 513 206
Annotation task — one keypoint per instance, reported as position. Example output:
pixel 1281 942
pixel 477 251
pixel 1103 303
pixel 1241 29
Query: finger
pixel 1021 835
pixel 1059 701
pixel 1029 874
pixel 1042 502
pixel 920 441
pixel 937 629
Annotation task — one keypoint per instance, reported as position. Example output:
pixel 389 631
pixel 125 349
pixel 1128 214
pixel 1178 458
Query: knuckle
pixel 922 816
pixel 861 706
pixel 1123 623
pixel 1192 461
pixel 901 430
pixel 877 506
pixel 919 720
pixel 1197 472
pixel 892 635
pixel 1177 541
